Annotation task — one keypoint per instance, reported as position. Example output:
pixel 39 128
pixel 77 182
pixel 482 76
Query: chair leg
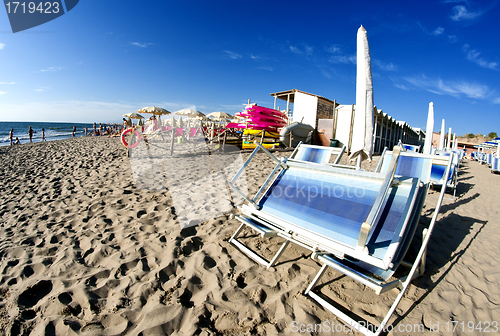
pixel 278 254
pixel 233 240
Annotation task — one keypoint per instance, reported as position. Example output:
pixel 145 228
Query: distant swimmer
pixel 30 133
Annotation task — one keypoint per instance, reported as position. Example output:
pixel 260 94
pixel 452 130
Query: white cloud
pixel 339 55
pixel 42 89
pixel 438 31
pixel 2 45
pixel 53 68
pixel 326 73
pixel 2 93
pixel 458 88
pixel 343 59
pixel 461 13
pixel 384 66
pixel 305 50
pixel 81 111
pixel 268 68
pixel 474 56
pixel 232 55
pixel 334 49
pixel 496 101
pixel 8 83
pixel 140 45
pixel 295 50
pixel 402 87
pixel 452 38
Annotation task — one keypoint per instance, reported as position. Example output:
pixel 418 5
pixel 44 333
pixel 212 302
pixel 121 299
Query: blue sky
pixel 107 58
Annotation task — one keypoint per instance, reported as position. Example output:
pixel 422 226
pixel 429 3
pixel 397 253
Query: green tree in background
pixel 493 135
pixel 471 135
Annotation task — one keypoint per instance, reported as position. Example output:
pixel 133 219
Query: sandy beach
pixel 86 250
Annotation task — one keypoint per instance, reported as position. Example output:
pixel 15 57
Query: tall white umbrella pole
pixel 362 135
pixel 448 144
pixel 429 129
pixel 441 136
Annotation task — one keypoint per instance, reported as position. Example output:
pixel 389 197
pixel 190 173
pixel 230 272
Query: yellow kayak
pixel 267 145
pixel 268 134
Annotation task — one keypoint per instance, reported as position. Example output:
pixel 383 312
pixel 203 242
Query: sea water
pixel 53 131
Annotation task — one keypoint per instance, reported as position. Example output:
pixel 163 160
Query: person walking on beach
pixel 94 129
pixel 30 133
pixel 100 129
pixel 86 130
pixel 11 136
pixel 43 135
pixel 74 130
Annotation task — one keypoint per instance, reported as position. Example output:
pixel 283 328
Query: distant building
pixel 335 121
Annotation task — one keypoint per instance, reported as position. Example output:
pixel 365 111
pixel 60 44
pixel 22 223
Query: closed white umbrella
pixel 429 129
pixel 448 144
pixel 362 133
pixel 441 136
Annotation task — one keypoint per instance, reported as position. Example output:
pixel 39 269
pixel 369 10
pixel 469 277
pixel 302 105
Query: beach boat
pixel 293 134
pixel 363 235
pixel 260 116
pixel 265 110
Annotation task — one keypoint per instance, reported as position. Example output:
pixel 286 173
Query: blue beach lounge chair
pixel 439 166
pixel 410 166
pixel 350 220
pixel 495 165
pixel 413 148
pixel 317 154
pixel 311 154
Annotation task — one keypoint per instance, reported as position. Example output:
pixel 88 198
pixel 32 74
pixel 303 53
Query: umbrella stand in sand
pixel 429 129
pixel 362 132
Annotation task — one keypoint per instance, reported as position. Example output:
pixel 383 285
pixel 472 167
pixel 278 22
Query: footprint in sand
pixel 32 295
